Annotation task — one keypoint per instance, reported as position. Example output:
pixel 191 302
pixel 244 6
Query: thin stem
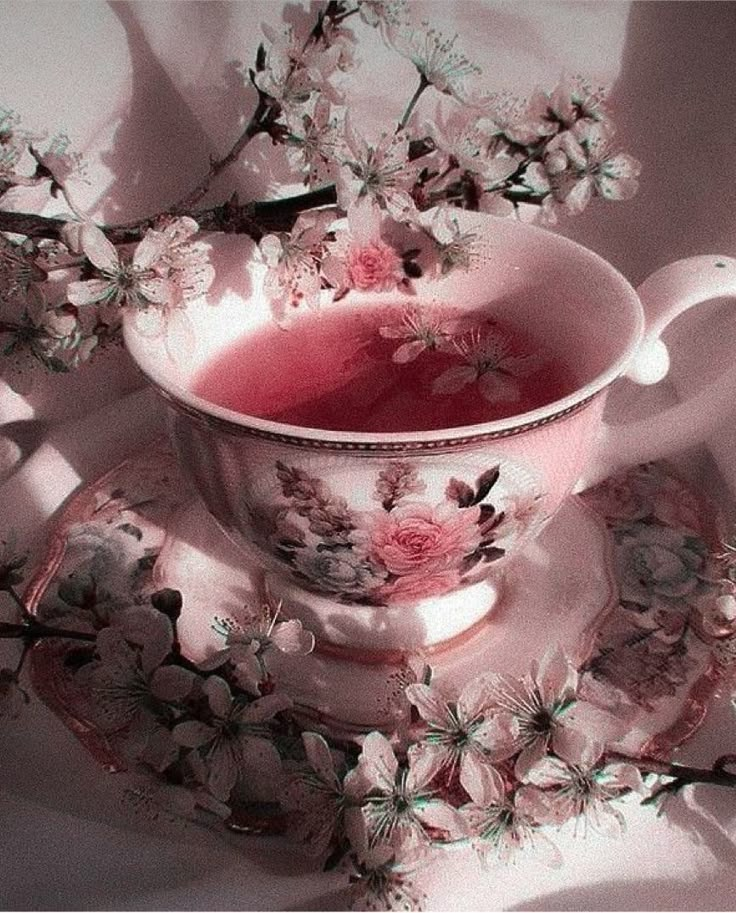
pixel 35 630
pixel 423 84
pixel 253 128
pixel 682 772
pixel 24 653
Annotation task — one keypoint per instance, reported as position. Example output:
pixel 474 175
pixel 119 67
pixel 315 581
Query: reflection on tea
pixel 387 370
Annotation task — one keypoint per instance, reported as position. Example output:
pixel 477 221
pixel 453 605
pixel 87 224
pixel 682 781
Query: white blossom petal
pixel 193 734
pixel 92 291
pixel 441 816
pixel 481 781
pixel 454 379
pixel 429 702
pixel 496 387
pixel 223 771
pixel 150 249
pixel 172 683
pixel 290 637
pixel 409 351
pixel 378 761
pixel 264 708
pixel 157 290
pixel 219 696
pixel 98 249
pixel 320 759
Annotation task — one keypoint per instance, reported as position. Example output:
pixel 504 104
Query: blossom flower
pixel 501 823
pixel 547 711
pixel 436 58
pixel 318 796
pixel 312 143
pixel 489 364
pixel 248 642
pixel 18 270
pixel 135 283
pixel 296 66
pixel 129 680
pixel 398 805
pixel 293 261
pixel 422 330
pixel 456 248
pixel 463 734
pixel 236 739
pixel 416 538
pixel 580 164
pixel 381 172
pixel 359 258
pixel 466 139
pixel 134 691
pixel 382 13
pixel 579 785
pixel 56 337
pixel 167 269
pixel 383 880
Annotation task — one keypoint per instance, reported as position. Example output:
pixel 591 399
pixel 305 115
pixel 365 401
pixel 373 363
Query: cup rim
pixel 240 422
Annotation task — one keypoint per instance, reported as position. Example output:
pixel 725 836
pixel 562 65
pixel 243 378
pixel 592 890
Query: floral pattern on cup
pixel 408 548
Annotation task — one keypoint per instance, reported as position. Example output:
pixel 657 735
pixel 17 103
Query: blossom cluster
pixel 361 224
pixel 486 766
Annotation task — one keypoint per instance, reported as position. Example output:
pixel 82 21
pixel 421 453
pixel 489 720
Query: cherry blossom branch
pixel 33 630
pixel 682 774
pixel 253 219
pixel 263 119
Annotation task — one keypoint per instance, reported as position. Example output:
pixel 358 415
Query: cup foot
pixel 555 594
pixel 358 628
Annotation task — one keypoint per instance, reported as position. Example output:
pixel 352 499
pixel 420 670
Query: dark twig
pixel 683 774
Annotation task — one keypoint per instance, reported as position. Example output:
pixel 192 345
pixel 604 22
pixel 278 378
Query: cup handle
pixel 664 296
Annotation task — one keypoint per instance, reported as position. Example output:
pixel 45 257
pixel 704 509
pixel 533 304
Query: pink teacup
pixel 415 529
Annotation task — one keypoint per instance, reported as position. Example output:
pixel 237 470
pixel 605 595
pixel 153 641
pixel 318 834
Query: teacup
pixel 415 529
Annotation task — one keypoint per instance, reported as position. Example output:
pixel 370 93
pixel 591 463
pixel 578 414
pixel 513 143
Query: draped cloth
pixel 148 92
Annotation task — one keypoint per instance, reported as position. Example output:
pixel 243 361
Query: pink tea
pixel 385 370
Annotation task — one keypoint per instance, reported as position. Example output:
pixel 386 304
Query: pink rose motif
pixel 413 587
pixel 374 267
pixel 419 538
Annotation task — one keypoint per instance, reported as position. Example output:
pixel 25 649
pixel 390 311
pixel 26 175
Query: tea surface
pixel 387 370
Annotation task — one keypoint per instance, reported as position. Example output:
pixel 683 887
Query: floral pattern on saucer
pixel 407 548
pixel 487 765
pixel 672 584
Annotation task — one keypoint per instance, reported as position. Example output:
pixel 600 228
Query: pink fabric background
pixel 148 90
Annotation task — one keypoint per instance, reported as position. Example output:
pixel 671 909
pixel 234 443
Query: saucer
pixel 621 580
